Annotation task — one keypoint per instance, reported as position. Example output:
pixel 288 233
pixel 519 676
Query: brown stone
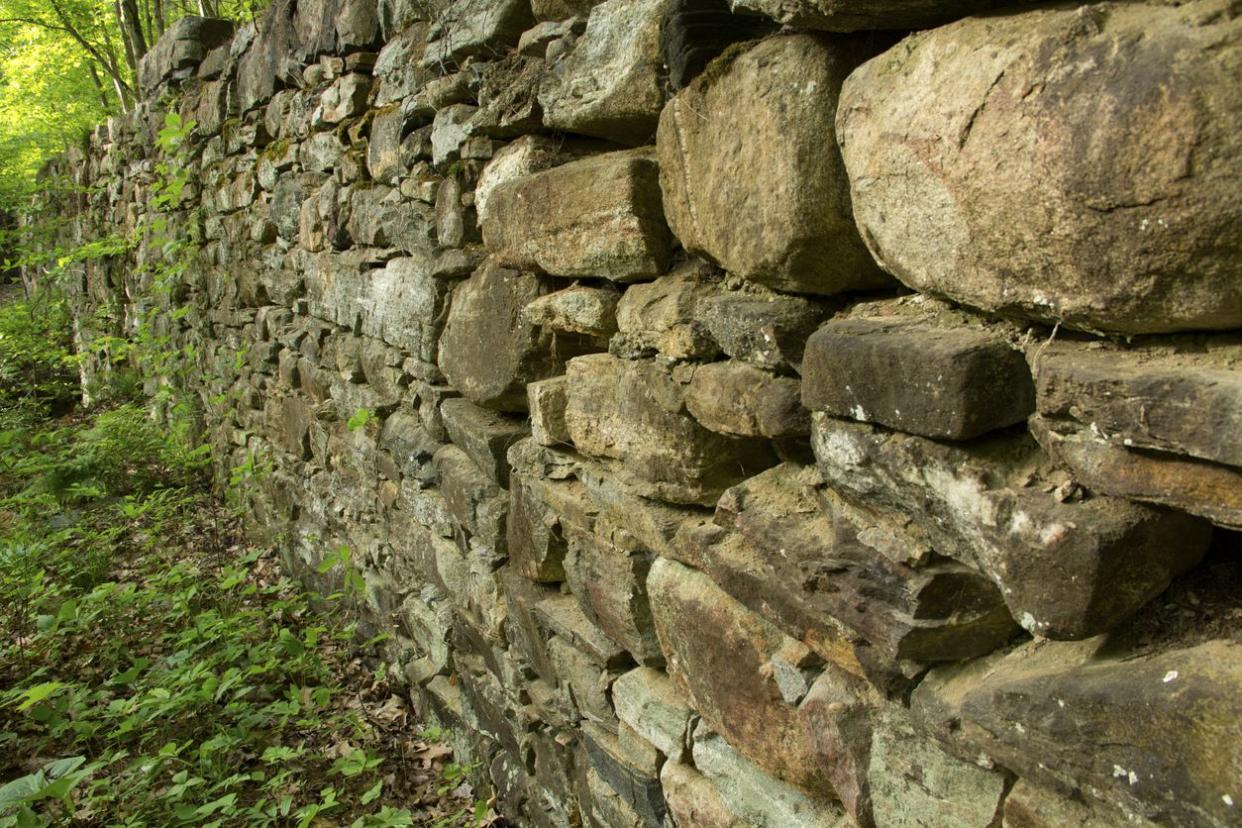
pixel 1060 164
pixel 600 217
pixel 634 412
pixel 781 219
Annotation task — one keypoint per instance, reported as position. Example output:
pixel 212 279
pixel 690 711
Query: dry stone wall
pixel 801 413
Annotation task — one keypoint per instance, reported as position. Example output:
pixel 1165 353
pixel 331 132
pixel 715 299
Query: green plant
pixel 151 680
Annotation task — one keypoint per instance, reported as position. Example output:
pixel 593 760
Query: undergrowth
pixel 154 669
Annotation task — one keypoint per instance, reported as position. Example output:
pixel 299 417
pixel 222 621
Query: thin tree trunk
pixel 160 25
pixel 99 87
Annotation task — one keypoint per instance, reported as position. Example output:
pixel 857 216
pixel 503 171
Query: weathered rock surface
pixel 1030 806
pixel 821 571
pixel 719 653
pixel 1200 487
pixel 944 383
pixel 607 571
pixel 487 351
pixel 914 783
pixel 635 412
pixel 661 317
pixel 753 797
pixel 579 309
pixel 600 216
pixel 1066 569
pixel 782 219
pixel 1182 397
pixel 181 48
pixel 1150 732
pixel 647 701
pixel 610 85
pixel 476 27
pixel 1123 217
pixel 745 401
pixel 762 327
pixel 859 15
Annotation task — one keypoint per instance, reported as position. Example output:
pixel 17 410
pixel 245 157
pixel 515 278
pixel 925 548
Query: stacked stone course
pixel 843 431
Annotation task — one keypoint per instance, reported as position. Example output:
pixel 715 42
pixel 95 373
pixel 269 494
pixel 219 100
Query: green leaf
pixel 40 692
pixel 372 793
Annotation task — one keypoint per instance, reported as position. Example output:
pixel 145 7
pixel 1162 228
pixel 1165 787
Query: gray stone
pixel 451 128
pixel 267 62
pixel 647 701
pixel 763 327
pixel 941 382
pixel 487 351
pixel 915 784
pixel 781 219
pixel 609 85
pixel 634 412
pixel 346 98
pixel 484 435
pixel 1116 222
pixel 754 798
pixel 476 27
pixel 579 309
pixel 599 217
pixel 1067 569
pixel 182 47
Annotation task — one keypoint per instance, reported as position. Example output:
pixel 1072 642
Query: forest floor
pixel 158 670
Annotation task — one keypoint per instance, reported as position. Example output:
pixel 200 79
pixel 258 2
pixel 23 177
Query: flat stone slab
pixel 600 216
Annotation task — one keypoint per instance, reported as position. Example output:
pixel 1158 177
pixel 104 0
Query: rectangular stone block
pixel 1183 397
pixel 942 382
pixel 599 217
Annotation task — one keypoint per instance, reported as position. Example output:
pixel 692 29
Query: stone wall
pixel 810 413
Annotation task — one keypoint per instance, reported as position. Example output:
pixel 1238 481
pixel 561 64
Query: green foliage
pixel 65 67
pixel 38 373
pixel 360 419
pixel 152 674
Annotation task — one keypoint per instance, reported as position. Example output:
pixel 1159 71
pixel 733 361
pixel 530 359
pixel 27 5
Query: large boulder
pixel 268 63
pixel 600 216
pixel 751 176
pixel 181 48
pixel 1073 165
pixel 1150 732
